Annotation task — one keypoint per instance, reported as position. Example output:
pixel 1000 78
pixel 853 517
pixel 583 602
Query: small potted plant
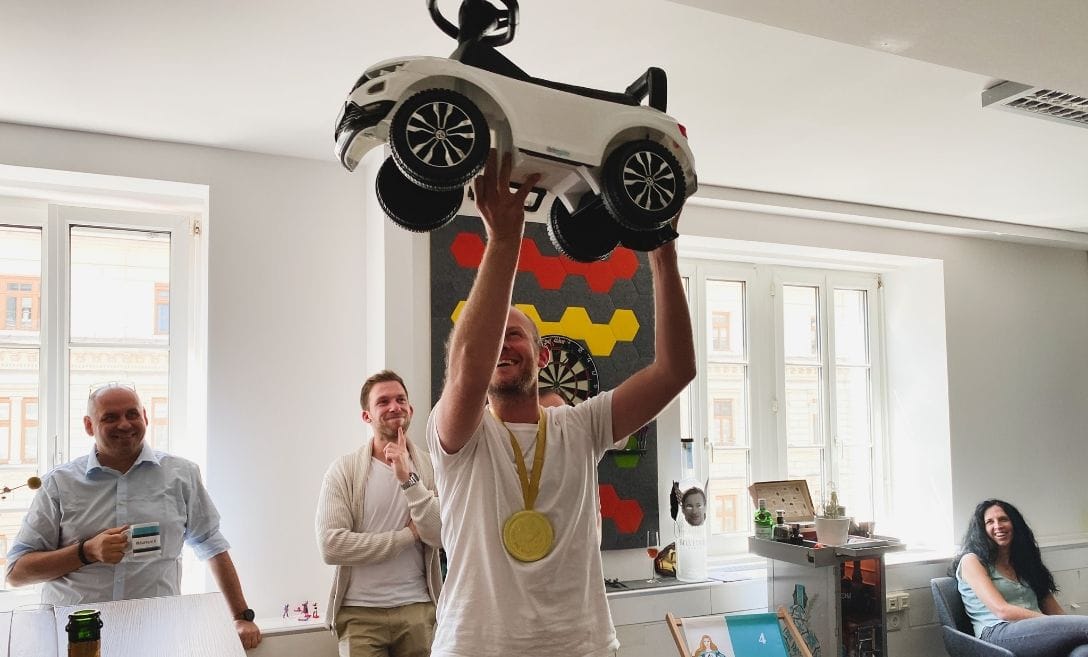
pixel 833 526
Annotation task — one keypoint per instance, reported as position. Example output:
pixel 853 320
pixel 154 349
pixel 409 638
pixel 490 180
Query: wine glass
pixel 653 538
pixel 33 631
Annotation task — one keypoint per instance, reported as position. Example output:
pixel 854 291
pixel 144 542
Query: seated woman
pixel 1007 591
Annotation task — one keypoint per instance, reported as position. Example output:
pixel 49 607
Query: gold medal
pixel 528 536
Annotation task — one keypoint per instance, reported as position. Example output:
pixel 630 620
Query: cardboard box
pixel 790 495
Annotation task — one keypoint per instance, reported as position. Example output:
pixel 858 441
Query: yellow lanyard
pixel 530 486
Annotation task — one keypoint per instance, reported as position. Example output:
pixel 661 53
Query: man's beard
pixel 390 433
pixel 524 385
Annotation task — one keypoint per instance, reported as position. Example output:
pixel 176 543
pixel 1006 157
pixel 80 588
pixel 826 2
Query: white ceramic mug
pixel 144 541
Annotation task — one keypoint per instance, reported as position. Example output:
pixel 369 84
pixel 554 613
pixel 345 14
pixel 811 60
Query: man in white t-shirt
pixel 386 549
pixel 518 483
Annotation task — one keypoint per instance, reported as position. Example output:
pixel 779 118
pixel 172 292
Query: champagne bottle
pixel 764 521
pixel 84 633
pixel 691 525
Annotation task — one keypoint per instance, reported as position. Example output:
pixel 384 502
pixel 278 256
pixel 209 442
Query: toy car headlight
pixel 376 72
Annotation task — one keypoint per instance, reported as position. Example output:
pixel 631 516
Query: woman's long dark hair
pixel 1023 554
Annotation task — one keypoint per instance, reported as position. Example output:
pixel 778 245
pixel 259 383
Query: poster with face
pixel 690 501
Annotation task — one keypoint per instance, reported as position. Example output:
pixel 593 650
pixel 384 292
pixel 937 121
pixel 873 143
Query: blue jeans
pixel 1042 636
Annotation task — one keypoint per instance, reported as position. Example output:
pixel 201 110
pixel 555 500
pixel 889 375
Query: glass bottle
pixel 84 633
pixel 764 521
pixel 780 532
pixel 691 525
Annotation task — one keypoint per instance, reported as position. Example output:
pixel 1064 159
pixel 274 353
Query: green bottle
pixel 764 521
pixel 84 633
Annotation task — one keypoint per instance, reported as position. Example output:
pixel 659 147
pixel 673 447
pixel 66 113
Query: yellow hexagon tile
pixel 575 323
pixel 624 324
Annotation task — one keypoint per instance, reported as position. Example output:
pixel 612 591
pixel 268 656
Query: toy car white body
pixel 560 135
pixel 619 171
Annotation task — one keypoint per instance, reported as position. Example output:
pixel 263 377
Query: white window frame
pixel 55 201
pixel 57 341
pixel 766 367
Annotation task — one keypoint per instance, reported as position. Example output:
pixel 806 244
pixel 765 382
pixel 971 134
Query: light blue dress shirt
pixel 82 498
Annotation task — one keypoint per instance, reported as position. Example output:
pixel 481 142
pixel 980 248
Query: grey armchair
pixel 959 638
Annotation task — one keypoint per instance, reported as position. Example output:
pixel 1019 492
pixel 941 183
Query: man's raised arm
pixel 477 336
pixel 640 398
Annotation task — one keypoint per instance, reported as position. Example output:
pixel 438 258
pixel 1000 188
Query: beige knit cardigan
pixel 339 518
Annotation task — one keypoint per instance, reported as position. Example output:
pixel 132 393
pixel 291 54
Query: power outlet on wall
pixel 895 621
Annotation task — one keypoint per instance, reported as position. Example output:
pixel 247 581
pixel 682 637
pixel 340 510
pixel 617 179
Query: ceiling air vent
pixel 1039 102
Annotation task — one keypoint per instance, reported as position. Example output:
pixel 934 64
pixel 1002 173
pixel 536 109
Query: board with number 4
pixel 745 635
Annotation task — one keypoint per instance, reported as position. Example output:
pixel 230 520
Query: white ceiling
pixel 827 110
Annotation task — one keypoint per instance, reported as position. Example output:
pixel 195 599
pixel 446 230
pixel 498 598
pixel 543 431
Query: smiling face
pixel 387 410
pixel 694 506
pixel 998 526
pixel 118 422
pixel 520 359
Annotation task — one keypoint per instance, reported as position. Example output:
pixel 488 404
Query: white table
pixel 178 626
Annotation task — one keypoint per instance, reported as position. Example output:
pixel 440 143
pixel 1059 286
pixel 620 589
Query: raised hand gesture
pixel 503 211
pixel 396 455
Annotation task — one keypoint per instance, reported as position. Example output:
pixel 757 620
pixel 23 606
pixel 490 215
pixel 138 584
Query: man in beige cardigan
pixel 386 549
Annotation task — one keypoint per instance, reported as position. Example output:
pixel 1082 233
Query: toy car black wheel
pixel 411 206
pixel 589 235
pixel 646 240
pixel 643 185
pixel 439 139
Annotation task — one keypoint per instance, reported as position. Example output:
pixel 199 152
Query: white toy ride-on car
pixel 619 171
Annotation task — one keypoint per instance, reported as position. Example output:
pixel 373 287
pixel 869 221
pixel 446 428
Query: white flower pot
pixel 832 531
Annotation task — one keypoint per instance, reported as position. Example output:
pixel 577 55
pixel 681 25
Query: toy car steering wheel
pixel 477 17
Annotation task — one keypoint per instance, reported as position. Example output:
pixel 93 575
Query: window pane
pixel 725 320
pixel 800 323
pixel 729 490
pixel 804 416
pixel 18 434
pixel 852 405
pixel 855 484
pixel 727 414
pixel 19 410
pixel 20 285
pixel 115 278
pixel 851 338
pixel 147 369
pixel 807 463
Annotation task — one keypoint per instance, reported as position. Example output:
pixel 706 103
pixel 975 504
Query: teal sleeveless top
pixel 1014 593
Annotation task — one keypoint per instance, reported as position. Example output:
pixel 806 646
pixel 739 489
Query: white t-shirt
pixel 398 581
pixel 493 604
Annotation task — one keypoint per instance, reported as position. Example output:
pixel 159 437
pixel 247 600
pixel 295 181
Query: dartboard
pixel 570 371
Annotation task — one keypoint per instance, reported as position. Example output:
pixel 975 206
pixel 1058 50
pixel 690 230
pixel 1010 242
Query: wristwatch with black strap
pixel 412 480
pixel 246 615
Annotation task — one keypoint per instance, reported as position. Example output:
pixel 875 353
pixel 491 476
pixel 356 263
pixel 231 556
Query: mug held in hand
pixel 144 541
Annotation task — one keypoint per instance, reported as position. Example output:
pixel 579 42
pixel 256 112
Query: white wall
pixel 286 335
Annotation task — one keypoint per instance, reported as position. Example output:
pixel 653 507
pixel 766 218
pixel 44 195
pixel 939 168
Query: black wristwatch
pixel 413 479
pixel 246 615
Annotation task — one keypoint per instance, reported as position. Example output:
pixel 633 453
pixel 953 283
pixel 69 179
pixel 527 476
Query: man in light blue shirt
pixel 75 537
